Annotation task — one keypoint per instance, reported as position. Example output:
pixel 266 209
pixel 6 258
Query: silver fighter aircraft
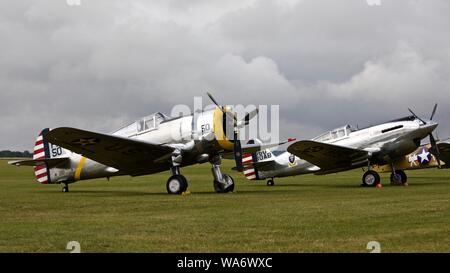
pixel 346 148
pixel 152 144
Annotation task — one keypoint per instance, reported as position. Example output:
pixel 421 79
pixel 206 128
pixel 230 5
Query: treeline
pixel 8 153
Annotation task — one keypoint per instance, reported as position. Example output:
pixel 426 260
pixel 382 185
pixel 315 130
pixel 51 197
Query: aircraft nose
pixel 430 126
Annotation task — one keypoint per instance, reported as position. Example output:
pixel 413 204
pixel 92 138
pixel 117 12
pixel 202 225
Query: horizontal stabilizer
pixel 255 147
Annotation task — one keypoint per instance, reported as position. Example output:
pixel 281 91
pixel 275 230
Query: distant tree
pixel 8 153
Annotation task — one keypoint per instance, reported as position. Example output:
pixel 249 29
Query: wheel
pixel 396 178
pixel 371 179
pixel 270 183
pixel 65 188
pixel 399 177
pixel 176 184
pixel 228 186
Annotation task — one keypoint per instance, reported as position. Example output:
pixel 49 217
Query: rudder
pixel 42 151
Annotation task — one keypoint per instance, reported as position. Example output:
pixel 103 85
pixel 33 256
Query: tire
pixel 270 183
pixel 219 187
pixel 65 189
pixel 402 175
pixel 176 184
pixel 371 179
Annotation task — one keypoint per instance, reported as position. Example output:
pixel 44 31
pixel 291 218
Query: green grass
pixel 300 214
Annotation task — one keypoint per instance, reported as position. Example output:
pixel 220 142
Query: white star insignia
pixel 423 156
pixel 85 141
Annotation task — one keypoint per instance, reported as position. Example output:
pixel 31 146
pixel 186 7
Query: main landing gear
pixel 370 179
pixel 398 177
pixel 65 188
pixel 270 182
pixel 222 182
pixel 177 183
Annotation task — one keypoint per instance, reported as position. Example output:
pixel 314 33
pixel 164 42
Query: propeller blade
pixel 434 111
pixel 237 152
pixel 416 116
pixel 214 101
pixel 435 150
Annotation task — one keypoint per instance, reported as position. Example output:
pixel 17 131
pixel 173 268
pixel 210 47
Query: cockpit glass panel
pixel 341 133
pixel 335 134
pixel 144 124
pixel 149 123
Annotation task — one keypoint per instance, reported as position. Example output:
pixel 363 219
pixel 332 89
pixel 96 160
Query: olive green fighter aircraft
pixel 149 145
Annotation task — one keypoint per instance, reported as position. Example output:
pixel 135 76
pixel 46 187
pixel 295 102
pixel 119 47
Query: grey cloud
pixel 326 63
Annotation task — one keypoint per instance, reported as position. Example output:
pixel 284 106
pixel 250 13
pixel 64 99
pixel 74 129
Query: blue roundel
pixel 424 157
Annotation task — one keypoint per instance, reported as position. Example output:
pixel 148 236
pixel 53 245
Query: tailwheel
pixel 371 179
pixel 65 188
pixel 176 184
pixel 270 183
pixel 227 184
pixel 399 178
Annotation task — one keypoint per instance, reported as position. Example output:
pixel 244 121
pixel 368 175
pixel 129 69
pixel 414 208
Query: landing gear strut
pixel 222 182
pixel 65 188
pixel 270 182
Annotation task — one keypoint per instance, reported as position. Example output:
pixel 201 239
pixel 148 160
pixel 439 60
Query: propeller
pixel 237 150
pixel 435 150
pixel 417 117
pixel 434 111
pixel 434 147
pixel 215 102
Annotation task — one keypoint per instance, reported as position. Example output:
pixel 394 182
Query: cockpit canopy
pixel 335 134
pixel 144 124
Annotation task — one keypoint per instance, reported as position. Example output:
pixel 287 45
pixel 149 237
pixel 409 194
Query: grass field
pixel 300 214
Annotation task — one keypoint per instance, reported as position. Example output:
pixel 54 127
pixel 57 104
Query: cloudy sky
pixel 105 63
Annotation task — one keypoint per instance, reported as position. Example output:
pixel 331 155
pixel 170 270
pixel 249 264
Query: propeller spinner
pixel 237 150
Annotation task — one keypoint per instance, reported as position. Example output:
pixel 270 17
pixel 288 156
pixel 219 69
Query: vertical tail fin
pixel 42 151
pixel 249 171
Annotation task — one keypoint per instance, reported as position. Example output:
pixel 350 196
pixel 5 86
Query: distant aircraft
pixel 422 158
pixel 152 144
pixel 347 148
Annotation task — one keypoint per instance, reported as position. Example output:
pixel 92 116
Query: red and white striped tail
pixel 41 151
pixel 249 170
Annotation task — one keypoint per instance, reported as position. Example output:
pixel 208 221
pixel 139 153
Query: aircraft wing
pixel 330 158
pixel 127 155
pixel 51 162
